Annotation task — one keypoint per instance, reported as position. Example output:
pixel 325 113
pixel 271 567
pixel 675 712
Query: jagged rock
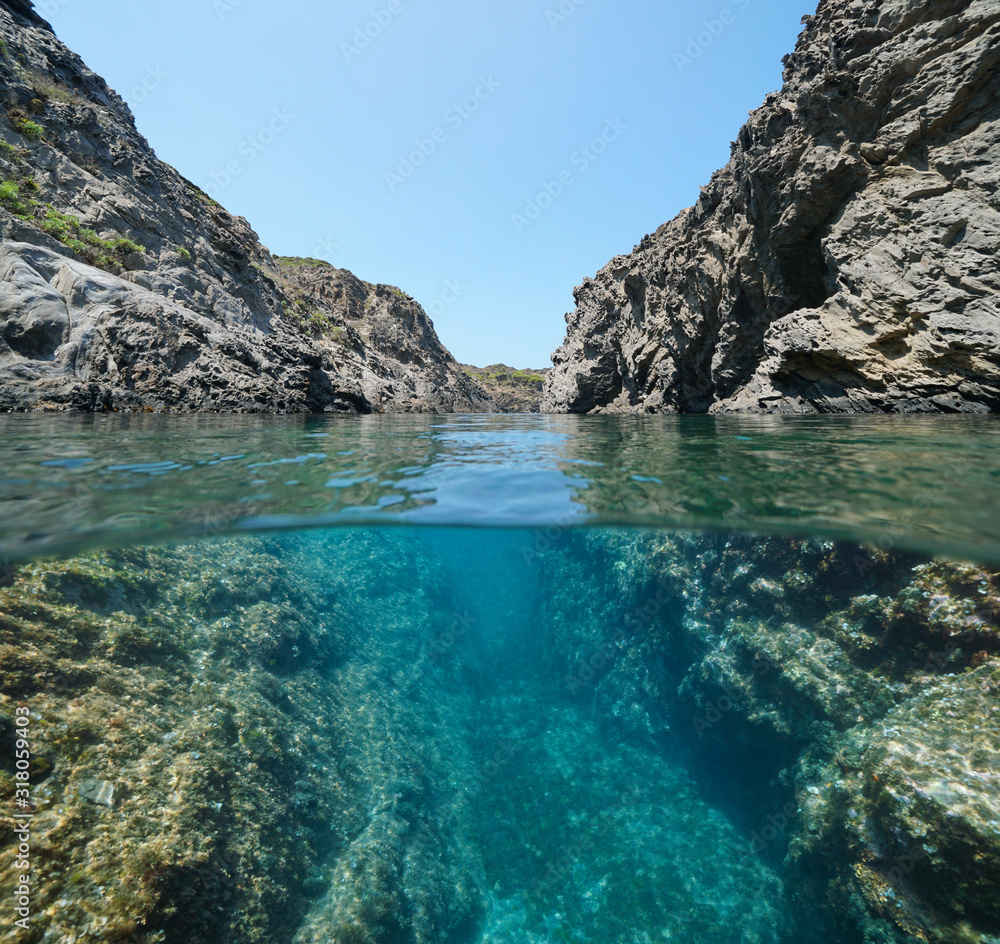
pixel 26 9
pixel 851 695
pixel 305 780
pixel 124 286
pixel 844 259
pixel 914 804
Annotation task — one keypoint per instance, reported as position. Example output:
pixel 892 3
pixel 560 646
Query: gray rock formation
pixel 512 390
pixel 123 286
pixel 846 257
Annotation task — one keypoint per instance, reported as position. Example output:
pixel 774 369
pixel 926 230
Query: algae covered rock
pixel 913 807
pixel 217 735
pixel 851 694
pixel 310 738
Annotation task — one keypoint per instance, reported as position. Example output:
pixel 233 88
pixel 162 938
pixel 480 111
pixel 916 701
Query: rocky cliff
pixel 843 260
pixel 512 390
pixel 124 286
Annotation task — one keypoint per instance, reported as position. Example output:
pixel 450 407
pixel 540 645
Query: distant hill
pixel 512 390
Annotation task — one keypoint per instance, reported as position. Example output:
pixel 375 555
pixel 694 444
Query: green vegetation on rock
pixel 514 391
pixel 10 196
pixel 107 254
pixel 32 130
pixel 296 262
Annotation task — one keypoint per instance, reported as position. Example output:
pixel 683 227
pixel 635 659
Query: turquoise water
pixel 929 483
pixel 503 679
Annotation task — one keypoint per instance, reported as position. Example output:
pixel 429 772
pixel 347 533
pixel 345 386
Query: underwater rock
pixel 247 772
pixel 101 792
pixel 915 803
pixel 854 692
pixel 729 738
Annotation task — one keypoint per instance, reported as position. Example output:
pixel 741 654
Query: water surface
pixel 930 483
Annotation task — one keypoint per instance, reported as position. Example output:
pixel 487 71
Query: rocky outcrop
pixel 124 286
pixel 841 703
pixel 846 257
pixel 511 390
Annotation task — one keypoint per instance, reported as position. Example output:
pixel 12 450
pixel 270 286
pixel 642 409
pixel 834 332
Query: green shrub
pixel 527 376
pixel 91 238
pixel 185 254
pixel 10 192
pixel 105 253
pixel 59 224
pixel 295 262
pixel 77 247
pixel 30 129
pixel 48 91
pixel 123 247
pixel 10 199
pixel 315 322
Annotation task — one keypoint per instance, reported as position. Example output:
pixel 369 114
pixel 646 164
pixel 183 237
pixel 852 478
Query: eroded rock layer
pixel 845 259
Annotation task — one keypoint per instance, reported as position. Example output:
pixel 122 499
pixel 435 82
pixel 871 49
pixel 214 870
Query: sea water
pixel 487 678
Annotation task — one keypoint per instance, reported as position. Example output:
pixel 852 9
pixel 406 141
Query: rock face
pixel 123 286
pixel 846 257
pixel 512 390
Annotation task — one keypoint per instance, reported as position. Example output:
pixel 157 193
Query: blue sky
pixel 483 157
